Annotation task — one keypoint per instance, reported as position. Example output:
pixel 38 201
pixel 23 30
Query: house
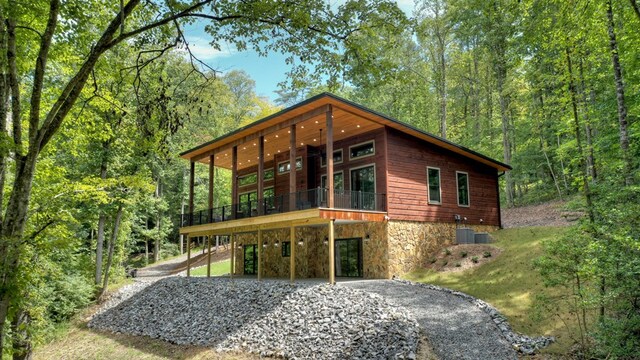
pixel 367 196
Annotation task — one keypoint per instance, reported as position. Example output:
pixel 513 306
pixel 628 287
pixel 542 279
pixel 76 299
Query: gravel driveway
pixel 455 328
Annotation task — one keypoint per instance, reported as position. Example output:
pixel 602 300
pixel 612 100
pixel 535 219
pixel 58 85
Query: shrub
pixel 463 254
pixel 486 254
pixel 474 259
pixel 445 262
pixel 447 252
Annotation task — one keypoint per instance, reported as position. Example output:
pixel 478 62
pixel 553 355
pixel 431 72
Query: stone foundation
pixel 393 248
pixel 412 243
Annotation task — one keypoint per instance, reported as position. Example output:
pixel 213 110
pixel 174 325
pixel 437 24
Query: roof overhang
pixel 352 117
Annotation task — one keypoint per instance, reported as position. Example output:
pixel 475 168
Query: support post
pixel 292 258
pixel 209 256
pixel 211 182
pixel 189 255
pixel 259 254
pixel 332 253
pixel 329 148
pixel 292 168
pixel 234 182
pixel 192 181
pixel 261 177
pixel 233 255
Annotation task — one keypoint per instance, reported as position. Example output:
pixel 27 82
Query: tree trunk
pixel 156 250
pixel 112 244
pixel 506 137
pixel 622 109
pixel 635 7
pixel 106 145
pixel 22 346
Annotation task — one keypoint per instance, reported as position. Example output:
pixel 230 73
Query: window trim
pixel 264 173
pixel 247 175
pixel 375 177
pixel 334 162
pixel 286 161
pixel 458 190
pixel 429 201
pixel 334 174
pixel 372 142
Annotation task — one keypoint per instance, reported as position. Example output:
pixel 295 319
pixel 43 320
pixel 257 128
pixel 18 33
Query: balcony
pixel 301 200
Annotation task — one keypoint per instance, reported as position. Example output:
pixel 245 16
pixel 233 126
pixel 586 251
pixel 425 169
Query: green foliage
pixel 67 295
pixel 474 259
pixel 463 254
pixel 447 251
pixel 486 254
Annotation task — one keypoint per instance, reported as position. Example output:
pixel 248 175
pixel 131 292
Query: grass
pixel 217 269
pixel 510 283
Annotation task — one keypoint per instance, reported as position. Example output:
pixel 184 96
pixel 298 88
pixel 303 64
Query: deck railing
pixel 301 200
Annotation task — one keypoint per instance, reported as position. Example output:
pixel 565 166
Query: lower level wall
pixel 413 243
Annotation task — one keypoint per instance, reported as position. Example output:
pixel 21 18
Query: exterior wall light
pixel 264 244
pixel 326 241
pixel 277 243
pixel 367 237
pixel 301 242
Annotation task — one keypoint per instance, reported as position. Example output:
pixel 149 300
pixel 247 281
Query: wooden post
pixel 234 182
pixel 292 168
pixel 259 254
pixel 233 254
pixel 188 255
pixel 192 181
pixel 211 178
pixel 329 148
pixel 260 177
pixel 209 256
pixel 332 253
pixel 292 257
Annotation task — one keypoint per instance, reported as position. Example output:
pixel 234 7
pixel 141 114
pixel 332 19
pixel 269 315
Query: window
pixel 338 181
pixel 337 158
pixel 247 202
pixel 363 188
pixel 268 174
pixel 284 167
pixel 462 182
pixel 247 179
pixel 433 181
pixel 286 249
pixel 269 200
pixel 362 150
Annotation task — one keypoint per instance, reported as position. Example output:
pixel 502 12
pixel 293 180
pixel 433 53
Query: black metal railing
pixel 301 200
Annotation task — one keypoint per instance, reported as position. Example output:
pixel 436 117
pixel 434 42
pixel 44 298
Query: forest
pixel 99 98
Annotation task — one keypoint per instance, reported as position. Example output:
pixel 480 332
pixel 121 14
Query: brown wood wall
pixel 408 159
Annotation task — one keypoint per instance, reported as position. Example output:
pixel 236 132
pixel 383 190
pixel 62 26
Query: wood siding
pixel 408 158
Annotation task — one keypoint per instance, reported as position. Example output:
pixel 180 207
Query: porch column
pixel 192 181
pixel 260 178
pixel 211 178
pixel 292 257
pixel 209 256
pixel 259 254
pixel 233 254
pixel 329 148
pixel 332 253
pixel 234 182
pixel 292 168
pixel 189 255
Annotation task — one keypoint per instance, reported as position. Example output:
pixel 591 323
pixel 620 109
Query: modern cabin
pixel 368 196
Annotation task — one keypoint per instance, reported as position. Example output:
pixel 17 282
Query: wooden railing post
pixel 329 148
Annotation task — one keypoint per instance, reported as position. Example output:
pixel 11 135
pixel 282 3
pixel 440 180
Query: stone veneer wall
pixel 312 258
pixel 412 243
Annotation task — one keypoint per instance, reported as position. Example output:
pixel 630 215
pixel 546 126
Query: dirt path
pixel 179 263
pixel 548 214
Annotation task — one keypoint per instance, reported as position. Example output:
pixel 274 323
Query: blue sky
pixel 266 71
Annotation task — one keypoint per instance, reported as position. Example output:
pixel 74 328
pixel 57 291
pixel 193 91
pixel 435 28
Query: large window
pixel 268 174
pixel 269 198
pixel 247 202
pixel 248 179
pixel 337 158
pixel 433 181
pixel 362 150
pixel 363 188
pixel 462 182
pixel 338 181
pixel 284 167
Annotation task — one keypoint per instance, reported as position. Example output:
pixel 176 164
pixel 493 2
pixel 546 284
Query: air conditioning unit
pixel 465 236
pixel 482 238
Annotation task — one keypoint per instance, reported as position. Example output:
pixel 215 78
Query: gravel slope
pixel 269 318
pixel 455 328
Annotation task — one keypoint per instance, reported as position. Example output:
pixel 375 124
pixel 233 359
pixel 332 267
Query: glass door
pixel 348 257
pixel 363 188
pixel 250 259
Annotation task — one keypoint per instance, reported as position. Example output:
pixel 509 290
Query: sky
pixel 267 72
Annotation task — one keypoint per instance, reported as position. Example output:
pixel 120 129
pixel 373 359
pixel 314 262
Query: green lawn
pixel 510 283
pixel 217 268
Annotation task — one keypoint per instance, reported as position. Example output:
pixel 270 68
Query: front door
pixel 363 188
pixel 349 257
pixel 250 260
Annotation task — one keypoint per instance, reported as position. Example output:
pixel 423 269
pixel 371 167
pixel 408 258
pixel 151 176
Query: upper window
pixel 268 174
pixel 337 158
pixel 284 167
pixel 433 181
pixel 286 249
pixel 248 179
pixel 362 150
pixel 462 182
